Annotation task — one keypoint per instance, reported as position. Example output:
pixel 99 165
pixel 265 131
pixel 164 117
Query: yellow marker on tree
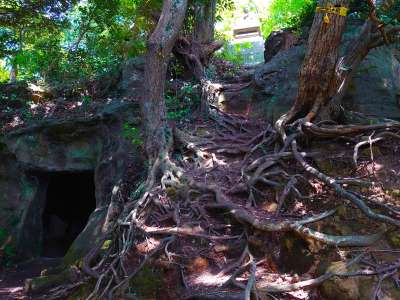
pixel 337 10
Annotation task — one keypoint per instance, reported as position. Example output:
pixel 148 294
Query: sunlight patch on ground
pixel 209 279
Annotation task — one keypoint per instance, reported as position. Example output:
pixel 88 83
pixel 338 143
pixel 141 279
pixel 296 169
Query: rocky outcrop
pixel 30 155
pixel 375 89
pixel 279 41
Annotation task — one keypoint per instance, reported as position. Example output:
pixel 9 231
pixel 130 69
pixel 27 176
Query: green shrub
pixel 180 103
pixel 4 74
pixel 132 134
pixel 234 52
pixel 288 14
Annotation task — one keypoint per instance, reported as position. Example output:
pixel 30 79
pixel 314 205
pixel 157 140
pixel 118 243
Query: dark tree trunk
pixel 159 49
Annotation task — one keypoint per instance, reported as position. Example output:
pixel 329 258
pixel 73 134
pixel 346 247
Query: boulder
pixel 132 77
pixel 340 288
pixel 355 288
pixel 279 41
pixel 375 89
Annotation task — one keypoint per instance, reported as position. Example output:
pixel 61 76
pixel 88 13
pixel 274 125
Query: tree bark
pixel 316 79
pixel 159 49
pixel 324 77
pixel 195 51
pixel 13 72
pixel 203 30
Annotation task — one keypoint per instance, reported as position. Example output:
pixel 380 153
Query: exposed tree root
pixel 177 200
pixel 345 130
pixel 341 191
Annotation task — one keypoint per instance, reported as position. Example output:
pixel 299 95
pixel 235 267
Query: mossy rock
pixel 38 284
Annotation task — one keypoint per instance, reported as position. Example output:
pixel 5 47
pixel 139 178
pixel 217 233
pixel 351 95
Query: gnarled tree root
pixel 277 225
pixel 358 202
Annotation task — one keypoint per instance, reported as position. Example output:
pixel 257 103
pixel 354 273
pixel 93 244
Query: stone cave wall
pixel 93 143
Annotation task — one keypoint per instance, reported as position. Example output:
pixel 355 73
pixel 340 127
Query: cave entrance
pixel 70 199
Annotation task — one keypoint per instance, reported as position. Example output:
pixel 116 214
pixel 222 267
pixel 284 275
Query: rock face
pixel 94 143
pixel 31 155
pixel 279 41
pixel 375 89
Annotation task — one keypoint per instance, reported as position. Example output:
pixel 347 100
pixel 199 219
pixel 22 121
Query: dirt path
pixel 12 279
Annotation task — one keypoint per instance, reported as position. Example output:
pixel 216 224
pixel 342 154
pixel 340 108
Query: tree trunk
pixel 13 72
pixel 324 77
pixel 195 51
pixel 316 79
pixel 203 30
pixel 159 49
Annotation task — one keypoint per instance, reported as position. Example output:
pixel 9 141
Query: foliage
pixel 73 40
pixel 132 134
pixel 388 11
pixel 4 74
pixel 288 14
pixel 232 14
pixel 234 53
pixel 180 103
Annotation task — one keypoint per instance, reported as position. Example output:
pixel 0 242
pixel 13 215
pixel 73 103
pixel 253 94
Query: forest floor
pixel 216 249
pixel 211 244
pixel 214 240
pixel 12 279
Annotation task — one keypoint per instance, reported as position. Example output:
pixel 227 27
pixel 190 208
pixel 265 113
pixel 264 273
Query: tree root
pixel 276 225
pixel 290 287
pixel 341 191
pixel 345 130
pixel 133 225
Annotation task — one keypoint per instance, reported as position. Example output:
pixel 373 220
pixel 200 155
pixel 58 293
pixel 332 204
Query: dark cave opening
pixel 70 200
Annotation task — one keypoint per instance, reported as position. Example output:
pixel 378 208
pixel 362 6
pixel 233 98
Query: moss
pixel 340 288
pixel 332 167
pixel 375 150
pixel 38 284
pixel 146 283
pixel 171 192
pixel 394 239
pixel 342 211
pixel 106 245
pixel 72 257
pixel 388 290
pixel 79 153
